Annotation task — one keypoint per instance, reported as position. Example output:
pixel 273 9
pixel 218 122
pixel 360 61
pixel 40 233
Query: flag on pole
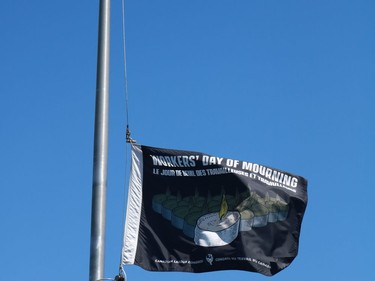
pixel 193 212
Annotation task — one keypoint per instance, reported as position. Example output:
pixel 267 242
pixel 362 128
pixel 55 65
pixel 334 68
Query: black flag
pixel 193 212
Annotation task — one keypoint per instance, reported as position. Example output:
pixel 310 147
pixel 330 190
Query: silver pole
pixel 99 186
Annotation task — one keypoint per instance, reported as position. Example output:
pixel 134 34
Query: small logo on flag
pixel 209 259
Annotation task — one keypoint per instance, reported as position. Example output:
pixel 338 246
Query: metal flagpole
pixel 99 186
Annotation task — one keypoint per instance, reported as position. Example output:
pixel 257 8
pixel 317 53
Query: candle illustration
pixel 214 221
pixel 217 228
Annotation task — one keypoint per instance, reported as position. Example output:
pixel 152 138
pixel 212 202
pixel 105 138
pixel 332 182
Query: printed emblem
pixel 209 259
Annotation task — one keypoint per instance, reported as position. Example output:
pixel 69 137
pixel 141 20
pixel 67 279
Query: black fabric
pixel 266 207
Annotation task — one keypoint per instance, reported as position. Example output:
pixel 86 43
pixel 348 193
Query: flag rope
pixel 128 138
pixel 122 275
pixel 125 71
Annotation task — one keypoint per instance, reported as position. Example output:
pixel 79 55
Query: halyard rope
pixel 128 138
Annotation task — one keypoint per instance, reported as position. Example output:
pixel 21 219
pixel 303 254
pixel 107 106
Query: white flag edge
pixel 134 207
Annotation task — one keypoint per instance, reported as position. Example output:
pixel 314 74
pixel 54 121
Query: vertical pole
pixel 99 186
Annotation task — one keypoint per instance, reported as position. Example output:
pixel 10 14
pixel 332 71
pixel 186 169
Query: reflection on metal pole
pixel 99 186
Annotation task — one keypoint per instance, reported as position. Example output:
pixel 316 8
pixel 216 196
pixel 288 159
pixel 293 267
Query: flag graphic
pixel 193 212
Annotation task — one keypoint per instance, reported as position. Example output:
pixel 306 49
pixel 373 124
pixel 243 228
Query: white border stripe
pixel 134 207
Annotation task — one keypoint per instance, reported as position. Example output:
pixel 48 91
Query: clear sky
pixel 289 84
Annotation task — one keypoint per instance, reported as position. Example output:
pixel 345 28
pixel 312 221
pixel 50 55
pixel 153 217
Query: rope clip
pixel 128 138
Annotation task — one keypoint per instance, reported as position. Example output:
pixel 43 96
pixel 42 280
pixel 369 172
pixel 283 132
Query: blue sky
pixel 288 84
